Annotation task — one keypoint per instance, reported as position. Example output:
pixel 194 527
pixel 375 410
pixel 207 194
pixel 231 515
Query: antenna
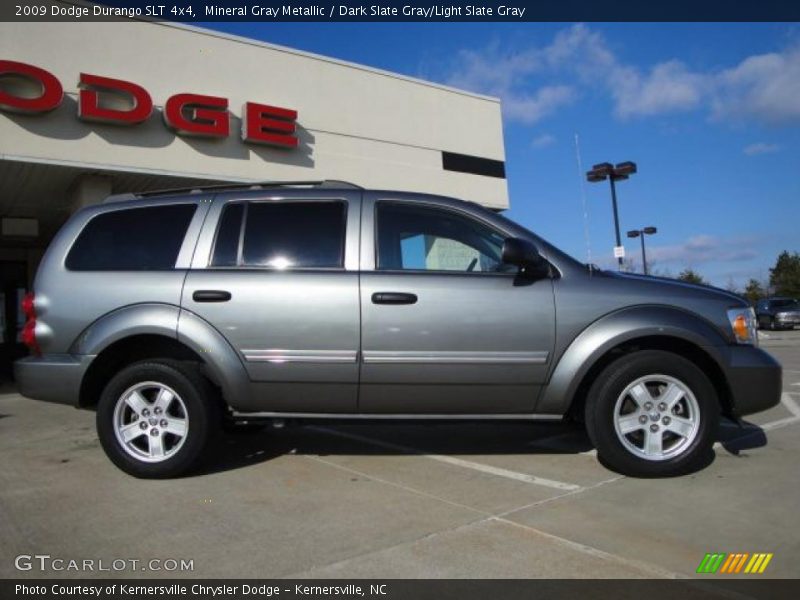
pixel 582 185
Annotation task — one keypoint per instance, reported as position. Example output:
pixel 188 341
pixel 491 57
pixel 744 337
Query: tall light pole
pixel 613 173
pixel 640 233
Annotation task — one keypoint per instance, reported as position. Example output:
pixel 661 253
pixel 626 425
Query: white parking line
pixel 786 399
pixel 451 460
pixel 789 403
pixel 488 517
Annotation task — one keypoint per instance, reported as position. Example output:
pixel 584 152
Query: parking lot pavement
pixel 401 500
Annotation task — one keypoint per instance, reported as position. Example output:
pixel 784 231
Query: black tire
pixel 772 326
pixel 602 403
pixel 202 416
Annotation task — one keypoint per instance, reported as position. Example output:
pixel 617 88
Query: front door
pixel 446 326
pixel 281 284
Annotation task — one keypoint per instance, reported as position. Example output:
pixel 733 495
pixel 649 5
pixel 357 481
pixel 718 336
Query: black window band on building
pixel 464 163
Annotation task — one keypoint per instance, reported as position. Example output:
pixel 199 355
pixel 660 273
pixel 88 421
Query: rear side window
pixel 135 239
pixel 282 235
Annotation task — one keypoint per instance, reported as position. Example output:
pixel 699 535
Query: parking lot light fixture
pixel 621 171
pixel 640 233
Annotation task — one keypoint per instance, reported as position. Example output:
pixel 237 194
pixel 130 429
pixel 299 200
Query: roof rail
pixel 222 187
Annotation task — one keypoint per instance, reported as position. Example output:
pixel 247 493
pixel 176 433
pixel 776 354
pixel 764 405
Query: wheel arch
pixel 150 331
pixel 125 351
pixel 644 328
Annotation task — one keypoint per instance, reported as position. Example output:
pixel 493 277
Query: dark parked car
pixel 778 313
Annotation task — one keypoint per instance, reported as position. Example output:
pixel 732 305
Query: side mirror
pixel 522 253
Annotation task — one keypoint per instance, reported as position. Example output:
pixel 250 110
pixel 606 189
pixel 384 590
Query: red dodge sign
pixel 184 113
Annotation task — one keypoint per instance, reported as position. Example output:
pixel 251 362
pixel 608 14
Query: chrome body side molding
pixel 304 356
pixel 455 358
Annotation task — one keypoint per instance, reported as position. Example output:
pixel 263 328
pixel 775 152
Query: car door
pixel 278 277
pixel 446 327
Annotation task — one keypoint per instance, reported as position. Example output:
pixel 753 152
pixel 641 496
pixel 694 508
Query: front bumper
pixel 52 378
pixel 755 379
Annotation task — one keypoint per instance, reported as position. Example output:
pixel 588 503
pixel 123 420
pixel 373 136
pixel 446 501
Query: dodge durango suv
pixel 176 312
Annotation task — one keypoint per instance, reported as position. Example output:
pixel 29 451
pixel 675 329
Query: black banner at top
pixel 189 11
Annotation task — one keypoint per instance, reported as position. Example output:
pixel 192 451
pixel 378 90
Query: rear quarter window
pixel 133 239
pixel 282 235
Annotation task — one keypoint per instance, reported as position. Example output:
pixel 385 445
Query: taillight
pixel 29 331
pixel 28 306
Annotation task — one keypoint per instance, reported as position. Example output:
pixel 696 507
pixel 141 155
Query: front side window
pixel 134 239
pixel 281 235
pixel 421 238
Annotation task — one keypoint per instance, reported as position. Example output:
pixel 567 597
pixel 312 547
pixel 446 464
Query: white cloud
pixel 535 81
pixel 765 87
pixel 701 249
pixel 543 141
pixel 668 87
pixel 533 108
pixel 580 49
pixel 501 75
pixel 760 148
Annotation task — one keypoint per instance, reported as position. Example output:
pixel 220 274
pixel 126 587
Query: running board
pixel 409 417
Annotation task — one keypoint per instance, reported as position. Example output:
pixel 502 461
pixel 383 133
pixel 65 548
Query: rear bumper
pixel 53 378
pixel 755 379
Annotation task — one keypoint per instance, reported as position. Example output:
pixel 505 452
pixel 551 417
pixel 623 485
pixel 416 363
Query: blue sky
pixel 710 112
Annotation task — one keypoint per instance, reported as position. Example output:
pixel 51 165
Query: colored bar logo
pixel 734 563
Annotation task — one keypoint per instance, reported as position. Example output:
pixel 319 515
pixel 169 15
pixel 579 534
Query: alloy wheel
pixel 150 421
pixel 656 417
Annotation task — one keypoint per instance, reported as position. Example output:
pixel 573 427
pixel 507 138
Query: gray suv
pixel 172 313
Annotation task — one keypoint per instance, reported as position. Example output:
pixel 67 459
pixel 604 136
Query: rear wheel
pixel 652 413
pixel 155 418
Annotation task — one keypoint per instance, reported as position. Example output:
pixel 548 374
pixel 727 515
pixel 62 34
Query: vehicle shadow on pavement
pixel 248 447
pixel 245 448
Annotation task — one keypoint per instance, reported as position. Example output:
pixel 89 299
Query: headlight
pixel 743 325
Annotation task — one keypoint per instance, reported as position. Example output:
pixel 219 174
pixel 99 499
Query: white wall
pixel 357 124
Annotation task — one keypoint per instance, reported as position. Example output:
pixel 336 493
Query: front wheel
pixel 652 413
pixel 155 418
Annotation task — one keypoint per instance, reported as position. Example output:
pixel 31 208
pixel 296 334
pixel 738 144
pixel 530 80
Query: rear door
pixel 277 276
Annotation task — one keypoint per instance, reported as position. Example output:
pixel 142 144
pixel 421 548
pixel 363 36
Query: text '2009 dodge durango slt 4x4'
pixel 171 312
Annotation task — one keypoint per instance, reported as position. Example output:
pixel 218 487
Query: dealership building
pixel 93 109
